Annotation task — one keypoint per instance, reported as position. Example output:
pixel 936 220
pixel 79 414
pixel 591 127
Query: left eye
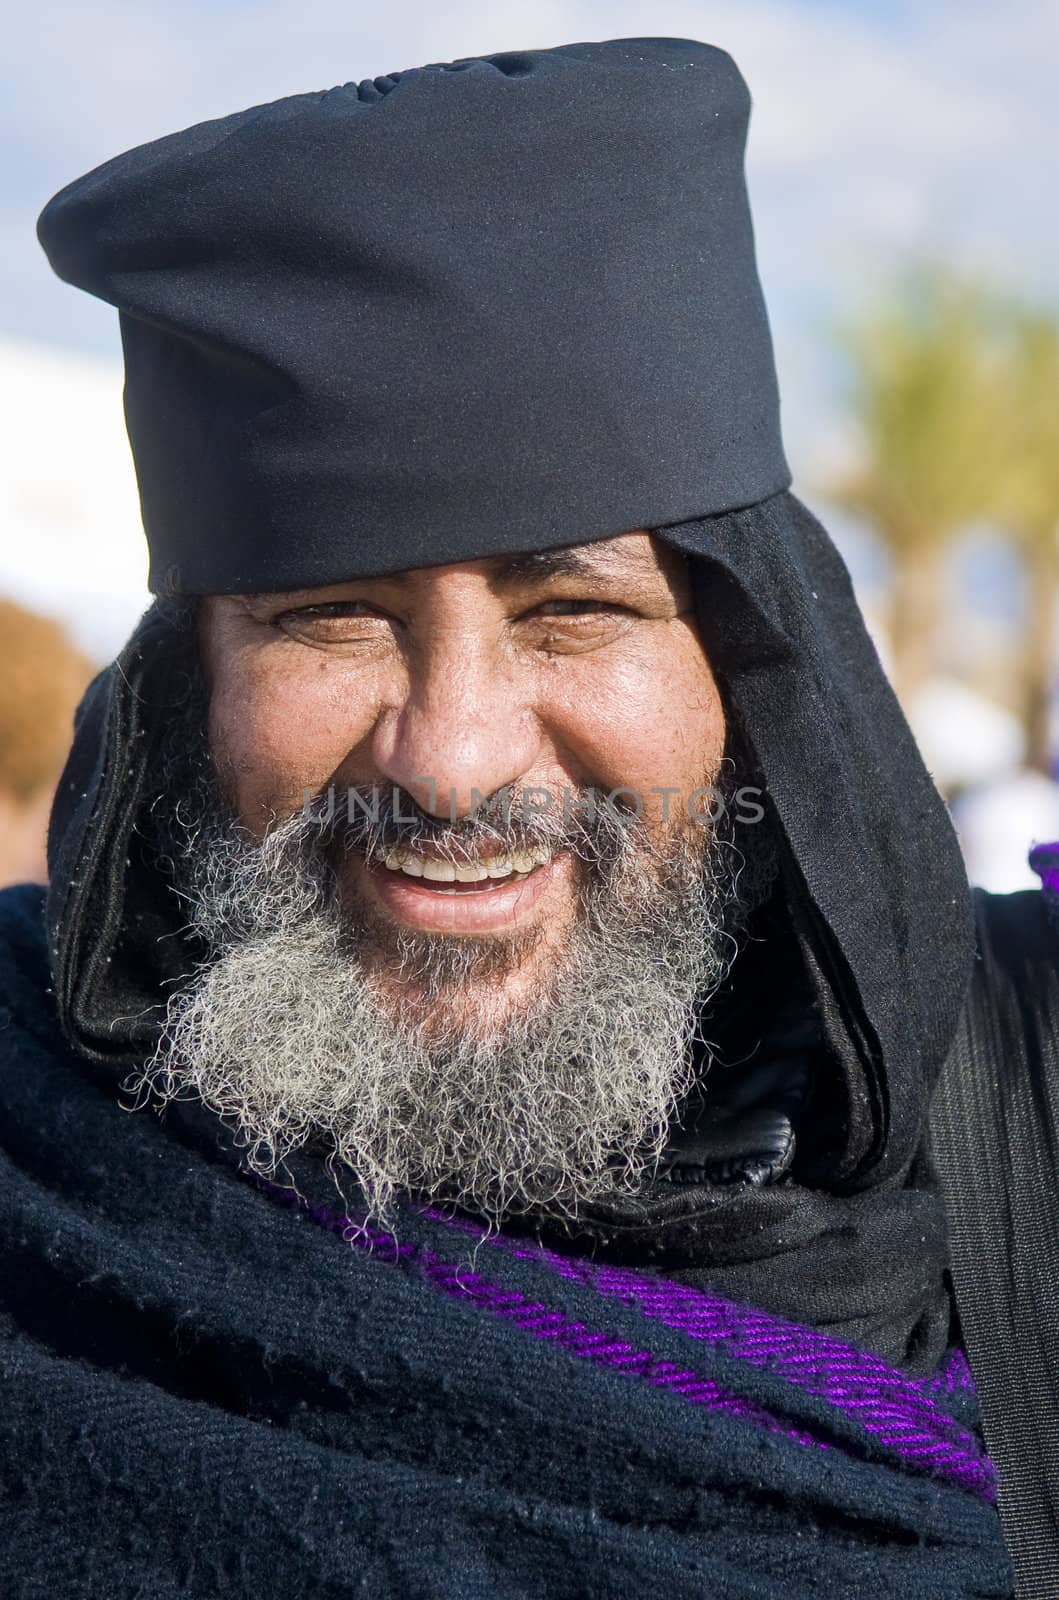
pixel 335 608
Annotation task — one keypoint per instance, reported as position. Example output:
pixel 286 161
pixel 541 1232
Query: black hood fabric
pixel 872 917
pixel 484 305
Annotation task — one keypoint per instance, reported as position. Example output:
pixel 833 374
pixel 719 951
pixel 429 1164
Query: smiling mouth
pixel 485 875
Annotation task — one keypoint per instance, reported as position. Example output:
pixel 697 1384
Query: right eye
pixel 335 622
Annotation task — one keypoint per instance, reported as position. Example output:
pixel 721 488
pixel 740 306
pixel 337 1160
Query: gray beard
pixel 287 1035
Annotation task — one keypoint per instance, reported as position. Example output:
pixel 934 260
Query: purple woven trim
pixel 1044 860
pixel 895 1410
pixel 952 1377
pixel 534 1318
pixel 892 1408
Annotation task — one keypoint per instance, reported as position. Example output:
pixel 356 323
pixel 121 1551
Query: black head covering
pixel 480 306
pixel 350 351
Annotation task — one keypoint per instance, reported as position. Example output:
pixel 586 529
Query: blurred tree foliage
pixel 956 397
pixel 924 398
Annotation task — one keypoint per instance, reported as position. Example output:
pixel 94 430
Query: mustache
pixel 378 819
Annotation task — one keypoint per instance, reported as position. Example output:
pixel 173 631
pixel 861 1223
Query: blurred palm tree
pixel 925 398
pixel 1027 503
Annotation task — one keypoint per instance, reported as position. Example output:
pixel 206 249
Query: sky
pixel 877 128
pixel 880 131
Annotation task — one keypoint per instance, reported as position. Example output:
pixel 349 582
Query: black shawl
pixel 209 1386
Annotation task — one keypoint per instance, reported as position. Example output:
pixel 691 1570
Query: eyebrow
pixel 567 562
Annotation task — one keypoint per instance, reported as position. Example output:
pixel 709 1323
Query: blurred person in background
pixel 42 678
pixel 559 1201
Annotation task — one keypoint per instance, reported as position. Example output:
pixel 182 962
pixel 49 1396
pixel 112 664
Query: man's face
pixel 554 673
pixel 498 1008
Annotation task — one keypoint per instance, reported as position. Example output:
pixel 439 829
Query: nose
pixel 465 728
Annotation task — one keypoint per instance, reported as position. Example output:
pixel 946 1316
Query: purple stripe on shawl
pixel 892 1408
pixel 534 1318
pixel 881 1400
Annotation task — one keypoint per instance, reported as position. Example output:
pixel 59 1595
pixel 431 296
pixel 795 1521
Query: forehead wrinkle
pixel 570 561
pixel 507 571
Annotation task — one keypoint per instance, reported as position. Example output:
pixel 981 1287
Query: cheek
pixel 651 720
pixel 276 730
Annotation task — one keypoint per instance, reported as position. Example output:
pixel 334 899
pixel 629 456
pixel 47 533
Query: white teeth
pixel 502 866
pixel 439 871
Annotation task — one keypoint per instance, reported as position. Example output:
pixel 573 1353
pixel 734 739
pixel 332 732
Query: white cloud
pixel 73 544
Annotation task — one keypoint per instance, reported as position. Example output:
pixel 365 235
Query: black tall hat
pixel 493 304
